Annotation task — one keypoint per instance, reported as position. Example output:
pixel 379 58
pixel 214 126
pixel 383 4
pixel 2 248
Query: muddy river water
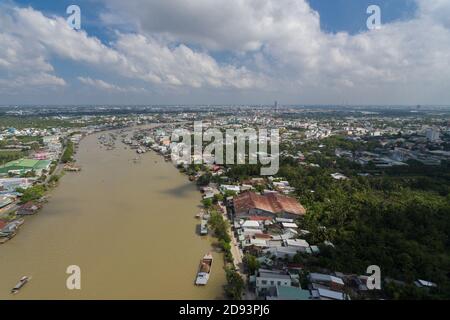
pixel 130 227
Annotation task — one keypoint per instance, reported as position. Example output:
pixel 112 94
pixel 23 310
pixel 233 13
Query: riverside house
pixel 28 208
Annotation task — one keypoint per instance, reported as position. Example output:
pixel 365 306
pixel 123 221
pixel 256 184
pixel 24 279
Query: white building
pixel 231 188
pixel 268 279
pixel 298 244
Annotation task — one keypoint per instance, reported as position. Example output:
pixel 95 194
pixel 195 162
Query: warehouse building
pixel 23 166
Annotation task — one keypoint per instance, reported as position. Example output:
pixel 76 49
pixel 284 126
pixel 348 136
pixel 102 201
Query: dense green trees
pixel 220 226
pixel 388 220
pixel 236 285
pixel 21 122
pixel 404 233
pixel 7 156
pixel 251 263
pixel 68 153
pixel 207 203
pixel 244 171
pixel 218 197
pixel 32 193
pixel 204 179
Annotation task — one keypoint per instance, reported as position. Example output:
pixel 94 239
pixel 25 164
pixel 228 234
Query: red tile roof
pixel 272 202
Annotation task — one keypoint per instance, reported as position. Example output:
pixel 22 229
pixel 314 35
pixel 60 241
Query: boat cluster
pixel 204 269
pixel 109 141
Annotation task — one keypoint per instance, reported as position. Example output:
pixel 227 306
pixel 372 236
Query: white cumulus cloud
pixel 103 85
pixel 132 55
pixel 273 48
pixel 283 39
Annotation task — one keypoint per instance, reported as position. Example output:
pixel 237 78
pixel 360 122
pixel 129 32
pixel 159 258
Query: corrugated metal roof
pixel 330 294
pixel 272 202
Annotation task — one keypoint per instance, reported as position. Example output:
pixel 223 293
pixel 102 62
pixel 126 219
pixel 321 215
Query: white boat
pixel 204 270
pixel 204 228
pixel 20 284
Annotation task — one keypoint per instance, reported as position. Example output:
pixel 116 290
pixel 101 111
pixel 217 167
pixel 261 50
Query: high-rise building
pixel 432 134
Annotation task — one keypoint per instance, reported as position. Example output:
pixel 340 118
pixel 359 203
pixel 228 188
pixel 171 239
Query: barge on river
pixel 204 270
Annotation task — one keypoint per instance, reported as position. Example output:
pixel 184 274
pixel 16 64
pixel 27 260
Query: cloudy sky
pixel 225 51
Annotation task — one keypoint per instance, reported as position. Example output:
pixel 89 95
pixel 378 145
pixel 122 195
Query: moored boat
pixel 204 270
pixel 204 228
pixel 20 284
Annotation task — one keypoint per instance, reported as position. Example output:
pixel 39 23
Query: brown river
pixel 130 227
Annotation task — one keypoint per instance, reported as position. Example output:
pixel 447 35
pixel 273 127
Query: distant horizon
pixel 232 104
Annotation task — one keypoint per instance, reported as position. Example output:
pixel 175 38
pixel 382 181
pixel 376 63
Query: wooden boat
pixel 20 284
pixel 71 168
pixel 204 270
